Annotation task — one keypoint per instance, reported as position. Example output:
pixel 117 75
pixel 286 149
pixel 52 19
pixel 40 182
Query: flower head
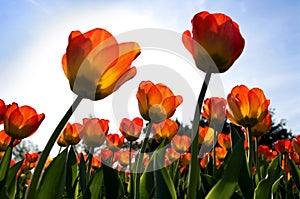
pixel 114 142
pixel 166 129
pixel 283 146
pixel 3 108
pixel 94 131
pixel 131 130
pixel 262 127
pixel 21 122
pixel 181 143
pixel 156 101
pixel 224 140
pixel 247 107
pixel 218 35
pixel 214 110
pixel 96 64
pixel 296 144
pixel 70 135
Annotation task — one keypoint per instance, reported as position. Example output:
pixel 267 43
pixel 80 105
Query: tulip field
pixel 152 156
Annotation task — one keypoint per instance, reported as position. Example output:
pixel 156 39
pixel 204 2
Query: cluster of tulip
pixel 230 164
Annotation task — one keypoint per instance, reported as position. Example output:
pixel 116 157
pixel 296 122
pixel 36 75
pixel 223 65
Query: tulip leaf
pixel 72 174
pixel 263 189
pixel 295 173
pixel 94 189
pixel 227 185
pixel 275 185
pixel 208 182
pixel 4 166
pixel 112 183
pixel 147 182
pixel 53 180
pixel 10 188
pixel 82 173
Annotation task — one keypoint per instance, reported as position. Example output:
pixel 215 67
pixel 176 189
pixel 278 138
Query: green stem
pixel 140 162
pixel 256 159
pixel 131 192
pixel 194 165
pixel 250 150
pixel 214 154
pixel 40 165
pixel 88 172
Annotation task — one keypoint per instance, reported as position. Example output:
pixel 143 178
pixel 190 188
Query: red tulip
pixel 283 146
pixel 3 108
pixel 214 110
pixel 166 129
pixel 131 130
pixel 218 35
pixel 114 142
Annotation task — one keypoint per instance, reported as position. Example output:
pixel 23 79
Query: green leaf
pixel 53 180
pixel 94 189
pixel 72 174
pixel 82 173
pixel 226 186
pixel 11 183
pixel 4 166
pixel 295 173
pixel 208 182
pixel 263 189
pixel 112 183
pixel 275 185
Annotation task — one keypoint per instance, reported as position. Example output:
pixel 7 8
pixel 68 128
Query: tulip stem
pixel 214 154
pixel 40 165
pixel 131 192
pixel 194 165
pixel 250 150
pixel 140 161
pixel 256 159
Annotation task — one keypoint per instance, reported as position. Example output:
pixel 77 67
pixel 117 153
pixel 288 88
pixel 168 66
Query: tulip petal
pixel 254 105
pixel 154 96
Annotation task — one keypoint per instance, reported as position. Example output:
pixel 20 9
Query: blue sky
pixel 34 34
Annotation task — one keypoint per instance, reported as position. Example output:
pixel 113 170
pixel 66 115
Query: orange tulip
pixel 172 154
pixel 114 142
pixel 156 101
pixel 61 141
pixel 131 130
pixel 96 64
pixel 21 122
pixel 205 134
pixel 218 35
pixel 204 161
pixel 214 110
pixel 295 157
pixel 264 150
pixel 296 144
pixel 4 140
pixel 262 127
pixel 166 129
pixel 220 152
pixel 224 140
pixel 181 143
pixel 94 131
pixel 96 163
pixel 70 134
pixel 247 107
pixel 3 108
pixel 123 158
pixel 283 146
pixel 185 159
pixel 32 157
pixel 106 155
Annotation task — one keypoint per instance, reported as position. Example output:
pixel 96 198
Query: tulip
pixel 219 36
pixel 70 135
pixel 131 130
pixel 171 154
pixel 21 122
pixel 214 110
pixel 283 146
pixel 296 144
pixel 94 131
pixel 185 159
pixel 247 107
pixel 166 129
pixel 4 140
pixel 224 140
pixel 31 157
pixel 262 127
pixel 114 142
pixel 3 108
pixel 156 101
pixel 205 135
pixel 96 64
pixel 181 143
